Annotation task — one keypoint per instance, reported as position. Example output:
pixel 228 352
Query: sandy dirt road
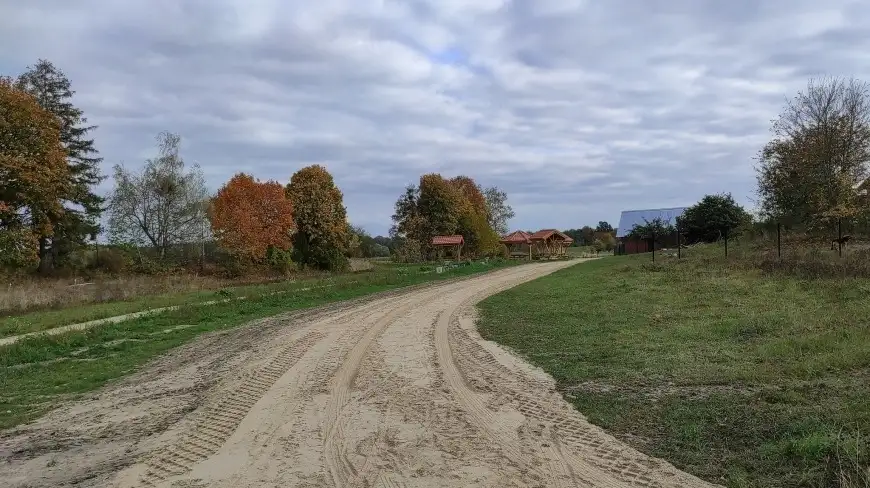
pixel 396 391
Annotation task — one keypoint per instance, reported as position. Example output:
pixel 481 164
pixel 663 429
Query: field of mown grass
pixel 38 372
pixel 743 377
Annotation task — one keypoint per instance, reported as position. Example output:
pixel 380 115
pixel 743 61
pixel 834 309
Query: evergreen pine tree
pixel 52 90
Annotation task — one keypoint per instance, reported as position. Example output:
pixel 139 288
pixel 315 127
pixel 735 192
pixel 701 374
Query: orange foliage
pixel 34 175
pixel 249 216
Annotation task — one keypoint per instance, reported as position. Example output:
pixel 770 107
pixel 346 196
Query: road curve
pixel 399 391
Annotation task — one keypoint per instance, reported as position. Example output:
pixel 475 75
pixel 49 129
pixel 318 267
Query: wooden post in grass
pixel 726 243
pixel 679 244
pixel 779 240
pixel 654 245
pixel 840 236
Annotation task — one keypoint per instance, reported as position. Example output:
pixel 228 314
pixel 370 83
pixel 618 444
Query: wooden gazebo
pixel 454 243
pixel 518 244
pixel 550 243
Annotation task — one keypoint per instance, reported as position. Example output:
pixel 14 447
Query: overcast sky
pixel 577 108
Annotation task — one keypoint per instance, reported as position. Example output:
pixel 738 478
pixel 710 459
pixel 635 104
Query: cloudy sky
pixel 577 108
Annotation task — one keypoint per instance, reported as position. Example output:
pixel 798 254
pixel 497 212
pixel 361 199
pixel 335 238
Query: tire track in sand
pixel 590 455
pixel 209 433
pixel 341 470
pixel 471 402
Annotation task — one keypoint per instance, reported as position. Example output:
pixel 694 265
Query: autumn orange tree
pixel 248 217
pixel 33 173
pixel 322 232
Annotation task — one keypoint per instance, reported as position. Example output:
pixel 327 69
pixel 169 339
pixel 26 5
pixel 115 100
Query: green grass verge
pixel 742 379
pixel 48 319
pixel 38 372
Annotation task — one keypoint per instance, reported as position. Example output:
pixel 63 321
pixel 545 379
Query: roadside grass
pixel 25 294
pixel 741 377
pixel 38 372
pixel 76 313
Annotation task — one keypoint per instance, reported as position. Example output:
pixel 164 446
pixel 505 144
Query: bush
pixel 230 265
pixel 409 252
pixel 279 260
pixel 112 261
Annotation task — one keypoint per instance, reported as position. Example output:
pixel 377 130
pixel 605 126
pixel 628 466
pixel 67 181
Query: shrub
pixel 112 261
pixel 279 260
pixel 409 252
pixel 229 264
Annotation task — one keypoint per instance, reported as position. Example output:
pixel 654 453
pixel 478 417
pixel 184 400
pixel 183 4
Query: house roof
pixel 629 218
pixel 544 234
pixel 448 240
pixel 518 237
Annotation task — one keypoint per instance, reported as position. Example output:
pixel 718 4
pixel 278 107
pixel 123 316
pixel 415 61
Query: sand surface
pixel 395 391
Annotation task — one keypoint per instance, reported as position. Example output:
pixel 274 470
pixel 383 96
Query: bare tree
pixel 498 210
pixel 819 154
pixel 161 206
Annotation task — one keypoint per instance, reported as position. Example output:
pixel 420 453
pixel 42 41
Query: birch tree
pixel 163 204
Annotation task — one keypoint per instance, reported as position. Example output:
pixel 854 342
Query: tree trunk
pixel 45 256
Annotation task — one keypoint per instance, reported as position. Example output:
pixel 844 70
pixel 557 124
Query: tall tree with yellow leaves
pixel 322 232
pixel 249 216
pixel 480 237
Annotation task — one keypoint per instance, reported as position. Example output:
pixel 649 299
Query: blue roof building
pixel 629 218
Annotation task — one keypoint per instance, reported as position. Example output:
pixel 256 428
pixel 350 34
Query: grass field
pixel 37 372
pixel 743 378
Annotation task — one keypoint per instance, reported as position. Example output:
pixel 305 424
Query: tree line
pixel 50 211
pixel 601 237
pixel 49 208
pixel 439 206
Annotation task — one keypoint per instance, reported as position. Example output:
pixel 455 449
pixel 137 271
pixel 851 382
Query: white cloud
pixel 578 109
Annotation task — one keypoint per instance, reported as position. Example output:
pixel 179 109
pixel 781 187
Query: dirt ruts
pixel 396 391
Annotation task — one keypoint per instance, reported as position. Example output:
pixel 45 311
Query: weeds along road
pixel 392 392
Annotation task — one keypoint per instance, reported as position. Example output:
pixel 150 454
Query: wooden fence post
pixel 779 240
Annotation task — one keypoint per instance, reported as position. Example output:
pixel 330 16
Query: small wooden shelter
pixel 550 243
pixel 445 243
pixel 518 244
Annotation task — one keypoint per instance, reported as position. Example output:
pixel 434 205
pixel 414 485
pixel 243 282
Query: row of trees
pixel 49 208
pixel 442 206
pixel 602 237
pixel 257 222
